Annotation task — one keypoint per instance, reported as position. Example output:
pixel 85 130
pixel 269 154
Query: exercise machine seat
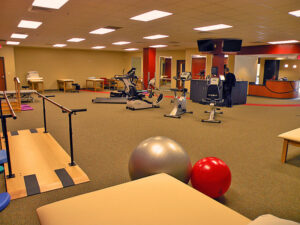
pixel 213 93
pixel 157 199
pixel 4 200
pixel 3 156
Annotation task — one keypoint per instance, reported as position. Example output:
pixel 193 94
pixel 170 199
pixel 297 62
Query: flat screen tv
pixel 232 45
pixel 206 45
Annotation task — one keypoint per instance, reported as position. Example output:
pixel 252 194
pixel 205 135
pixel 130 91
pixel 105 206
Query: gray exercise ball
pixel 160 155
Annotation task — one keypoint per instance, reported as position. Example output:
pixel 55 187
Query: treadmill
pixel 119 97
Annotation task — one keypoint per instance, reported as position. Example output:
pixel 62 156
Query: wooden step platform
pixel 39 163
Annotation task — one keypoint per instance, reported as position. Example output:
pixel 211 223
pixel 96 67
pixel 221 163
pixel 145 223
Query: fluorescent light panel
pixel 59 45
pixel 213 27
pixel 76 40
pixel 152 15
pixel 121 43
pixel 29 24
pixel 131 49
pixel 19 36
pixel 158 46
pixel 295 13
pixel 283 42
pixel 157 36
pixel 102 31
pixel 51 4
pixel 98 47
pixel 12 43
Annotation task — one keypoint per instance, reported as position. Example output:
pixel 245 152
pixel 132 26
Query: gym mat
pixel 64 177
pixel 33 131
pixel 40 155
pixel 32 185
pixel 14 133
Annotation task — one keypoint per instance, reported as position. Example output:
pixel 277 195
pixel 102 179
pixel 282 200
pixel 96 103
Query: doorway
pixel 165 72
pixel 2 75
pixel 180 69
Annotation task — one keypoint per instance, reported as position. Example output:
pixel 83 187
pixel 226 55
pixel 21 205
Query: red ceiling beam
pixel 270 49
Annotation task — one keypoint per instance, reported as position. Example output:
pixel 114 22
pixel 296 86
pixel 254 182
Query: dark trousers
pixel 227 97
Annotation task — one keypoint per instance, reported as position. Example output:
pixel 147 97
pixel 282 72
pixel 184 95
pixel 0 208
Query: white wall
pixel 245 68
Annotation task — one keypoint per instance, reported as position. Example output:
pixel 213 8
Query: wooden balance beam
pixel 39 163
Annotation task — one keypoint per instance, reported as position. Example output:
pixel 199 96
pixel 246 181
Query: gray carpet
pixel 105 135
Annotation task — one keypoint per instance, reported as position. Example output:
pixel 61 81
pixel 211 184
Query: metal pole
pixel 45 122
pixel 72 163
pixel 4 129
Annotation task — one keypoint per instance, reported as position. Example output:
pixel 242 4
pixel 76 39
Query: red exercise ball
pixel 211 176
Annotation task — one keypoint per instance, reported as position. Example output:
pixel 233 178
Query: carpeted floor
pixel 105 135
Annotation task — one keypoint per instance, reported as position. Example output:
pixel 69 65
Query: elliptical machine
pixel 180 101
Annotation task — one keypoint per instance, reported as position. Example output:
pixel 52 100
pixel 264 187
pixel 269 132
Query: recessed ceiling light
pixel 12 43
pixel 157 36
pixel 283 42
pixel 98 47
pixel 59 45
pixel 213 27
pixel 51 4
pixel 226 56
pixel 158 46
pixel 121 43
pixel 294 66
pixel 102 31
pixel 29 24
pixel 286 65
pixel 152 15
pixel 131 49
pixel 295 13
pixel 20 36
pixel 76 40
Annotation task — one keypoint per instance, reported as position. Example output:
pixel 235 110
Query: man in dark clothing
pixel 227 87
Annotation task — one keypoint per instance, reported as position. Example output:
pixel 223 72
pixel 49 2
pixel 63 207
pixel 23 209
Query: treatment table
pixel 155 200
pixel 63 84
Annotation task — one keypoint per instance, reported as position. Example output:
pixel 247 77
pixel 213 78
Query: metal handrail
pixel 54 103
pixel 12 112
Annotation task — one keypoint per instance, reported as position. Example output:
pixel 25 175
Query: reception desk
pixel 199 91
pixel 276 89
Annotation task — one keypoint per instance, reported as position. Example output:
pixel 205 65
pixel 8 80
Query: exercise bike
pixel 180 101
pixel 213 98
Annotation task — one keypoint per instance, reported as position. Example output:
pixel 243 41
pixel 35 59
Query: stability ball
pixel 160 155
pixel 211 176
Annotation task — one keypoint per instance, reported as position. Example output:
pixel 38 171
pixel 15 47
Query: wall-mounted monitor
pixel 232 45
pixel 206 45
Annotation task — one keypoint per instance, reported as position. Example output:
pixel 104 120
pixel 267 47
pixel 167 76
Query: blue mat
pixel 4 200
pixel 3 157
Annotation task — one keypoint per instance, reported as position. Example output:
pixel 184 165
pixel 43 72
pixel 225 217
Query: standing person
pixel 227 87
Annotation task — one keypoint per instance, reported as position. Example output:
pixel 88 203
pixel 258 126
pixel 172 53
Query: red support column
pixel 149 56
pixel 218 61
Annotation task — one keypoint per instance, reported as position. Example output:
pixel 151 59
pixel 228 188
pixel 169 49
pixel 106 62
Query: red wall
pixel 271 49
pixel 198 65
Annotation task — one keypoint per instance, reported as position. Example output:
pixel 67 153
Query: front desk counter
pixel 276 89
pixel 199 91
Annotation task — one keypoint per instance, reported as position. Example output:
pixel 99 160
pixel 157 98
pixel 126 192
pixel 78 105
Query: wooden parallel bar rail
pixel 54 103
pixel 12 112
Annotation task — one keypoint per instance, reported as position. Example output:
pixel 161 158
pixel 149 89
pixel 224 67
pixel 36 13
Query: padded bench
pixel 155 200
pixel 291 137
